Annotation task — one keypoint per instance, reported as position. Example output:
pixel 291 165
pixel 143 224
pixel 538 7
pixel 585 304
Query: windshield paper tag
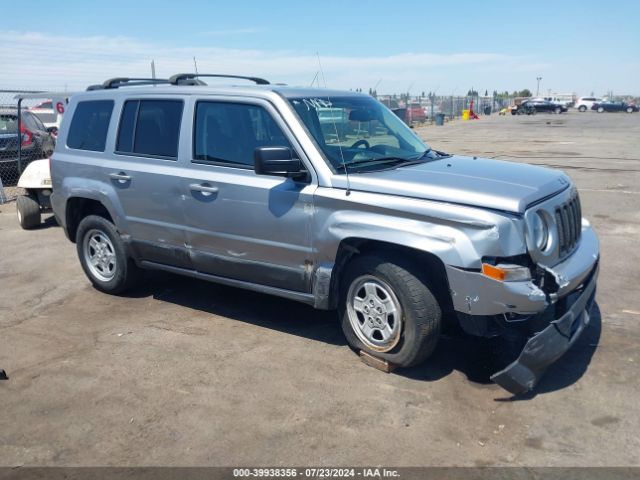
pixel 316 103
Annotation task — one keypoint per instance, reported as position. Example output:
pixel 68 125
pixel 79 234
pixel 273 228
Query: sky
pixel 446 47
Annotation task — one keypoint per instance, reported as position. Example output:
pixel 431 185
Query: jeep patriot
pixel 327 198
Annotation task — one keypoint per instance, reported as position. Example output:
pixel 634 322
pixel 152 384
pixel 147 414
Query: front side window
pixel 89 126
pixel 230 132
pixel 359 133
pixel 150 128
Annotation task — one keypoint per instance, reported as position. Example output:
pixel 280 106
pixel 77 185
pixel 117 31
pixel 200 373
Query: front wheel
pixel 388 310
pixel 558 110
pixel 103 256
pixel 629 110
pixel 582 108
pixel 600 109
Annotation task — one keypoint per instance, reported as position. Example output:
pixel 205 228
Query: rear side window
pixel 230 132
pixel 150 128
pixel 89 126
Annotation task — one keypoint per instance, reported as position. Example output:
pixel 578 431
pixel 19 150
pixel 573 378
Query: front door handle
pixel 120 177
pixel 203 188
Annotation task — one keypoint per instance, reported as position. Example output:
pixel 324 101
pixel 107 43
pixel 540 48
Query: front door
pixel 241 225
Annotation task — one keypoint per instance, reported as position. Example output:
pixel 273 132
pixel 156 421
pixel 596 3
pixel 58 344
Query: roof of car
pixel 241 90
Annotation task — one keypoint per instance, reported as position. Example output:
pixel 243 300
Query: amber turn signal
pixel 506 273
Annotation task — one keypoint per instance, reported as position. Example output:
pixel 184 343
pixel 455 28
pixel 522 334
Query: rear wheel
pixel 558 110
pixel 103 256
pixel 582 108
pixel 600 109
pixel 629 110
pixel 28 211
pixel 388 310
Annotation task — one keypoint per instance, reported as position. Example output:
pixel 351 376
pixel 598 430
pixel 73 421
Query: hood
pixel 480 182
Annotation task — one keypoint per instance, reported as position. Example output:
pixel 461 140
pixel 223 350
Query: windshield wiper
pixel 375 161
pixel 398 161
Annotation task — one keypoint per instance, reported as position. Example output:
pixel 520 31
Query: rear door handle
pixel 120 177
pixel 204 188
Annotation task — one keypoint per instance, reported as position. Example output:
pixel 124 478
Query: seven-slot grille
pixel 569 222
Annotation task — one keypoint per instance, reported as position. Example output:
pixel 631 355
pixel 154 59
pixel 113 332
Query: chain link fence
pixel 27 132
pixel 423 109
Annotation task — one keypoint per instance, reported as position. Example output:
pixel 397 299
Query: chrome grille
pixel 569 222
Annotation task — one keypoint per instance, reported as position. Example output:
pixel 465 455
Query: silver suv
pixel 328 198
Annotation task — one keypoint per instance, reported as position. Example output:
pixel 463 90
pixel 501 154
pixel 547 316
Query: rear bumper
pixel 550 344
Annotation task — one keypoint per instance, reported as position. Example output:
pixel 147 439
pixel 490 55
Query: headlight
pixel 540 231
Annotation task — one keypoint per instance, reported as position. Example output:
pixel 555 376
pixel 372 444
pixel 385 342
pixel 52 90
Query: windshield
pixel 359 132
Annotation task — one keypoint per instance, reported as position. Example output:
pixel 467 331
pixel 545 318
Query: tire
pixel 582 108
pixel 629 110
pixel 558 110
pixel 28 211
pixel 111 270
pixel 600 109
pixel 413 334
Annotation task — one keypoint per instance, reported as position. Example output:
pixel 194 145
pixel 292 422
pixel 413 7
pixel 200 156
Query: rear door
pixel 145 171
pixel 240 225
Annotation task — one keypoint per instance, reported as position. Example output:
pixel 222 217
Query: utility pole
pixel 538 89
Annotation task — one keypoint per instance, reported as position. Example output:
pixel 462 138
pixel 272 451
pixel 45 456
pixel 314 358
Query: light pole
pixel 538 89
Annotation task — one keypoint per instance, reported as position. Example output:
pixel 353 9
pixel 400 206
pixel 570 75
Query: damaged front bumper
pixel 555 319
pixel 550 344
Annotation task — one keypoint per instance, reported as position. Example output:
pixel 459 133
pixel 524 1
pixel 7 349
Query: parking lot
pixel 183 372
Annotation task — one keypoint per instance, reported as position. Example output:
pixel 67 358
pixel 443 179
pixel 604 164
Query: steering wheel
pixel 361 142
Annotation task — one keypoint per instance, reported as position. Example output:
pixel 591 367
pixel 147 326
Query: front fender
pixel 458 235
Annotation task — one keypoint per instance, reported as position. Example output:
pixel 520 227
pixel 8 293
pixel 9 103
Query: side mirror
pixel 52 130
pixel 277 161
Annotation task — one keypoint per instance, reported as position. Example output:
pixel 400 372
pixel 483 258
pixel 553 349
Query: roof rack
pixel 127 82
pixel 183 78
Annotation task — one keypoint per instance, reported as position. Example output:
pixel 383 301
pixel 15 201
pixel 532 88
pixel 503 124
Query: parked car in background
pixel 46 113
pixel 32 138
pixel 530 107
pixel 416 113
pixel 614 107
pixel 562 99
pixel 585 103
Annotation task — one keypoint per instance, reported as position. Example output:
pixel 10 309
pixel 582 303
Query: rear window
pixel 150 128
pixel 89 126
pixel 8 124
